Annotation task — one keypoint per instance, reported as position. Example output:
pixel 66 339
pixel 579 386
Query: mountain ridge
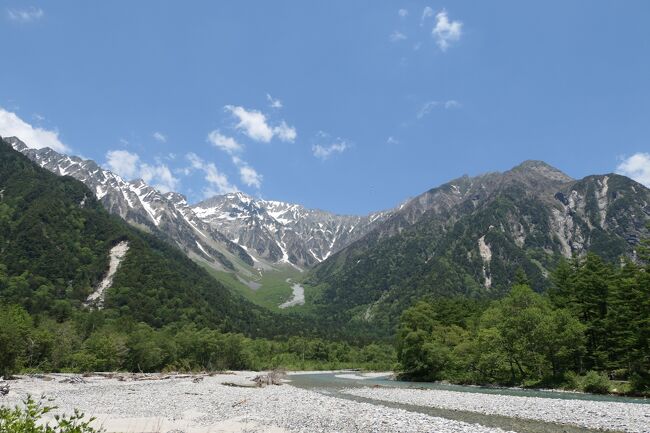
pixel 471 235
pixel 263 240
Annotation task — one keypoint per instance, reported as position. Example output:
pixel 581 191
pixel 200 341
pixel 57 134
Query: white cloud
pixel 250 177
pixel 325 151
pixel 426 108
pixel 446 31
pixel 253 123
pixel 218 182
pixel 403 13
pixel 397 36
pixel 285 132
pixel 25 15
pixel 247 174
pixel 160 137
pixel 636 167
pixel 227 144
pixel 160 176
pixel 273 103
pixel 452 103
pixel 392 140
pixel 128 165
pixel 12 125
pixel 427 12
pixel 123 162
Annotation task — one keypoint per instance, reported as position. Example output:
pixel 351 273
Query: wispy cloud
pixel 636 167
pixel 159 136
pixel 392 140
pixel 123 162
pixel 25 15
pixel 403 13
pixel 254 124
pixel 248 175
pixel 427 12
pixel 451 104
pixel 218 182
pixel 445 31
pixel 12 125
pixel 327 147
pixel 428 106
pixel 397 36
pixel 227 144
pixel 129 166
pixel 273 103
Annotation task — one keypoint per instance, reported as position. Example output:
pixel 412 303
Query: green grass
pixel 273 291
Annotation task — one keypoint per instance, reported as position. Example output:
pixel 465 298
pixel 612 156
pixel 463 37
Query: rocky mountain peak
pixel 541 169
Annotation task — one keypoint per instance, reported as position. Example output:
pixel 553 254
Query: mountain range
pixel 469 237
pixel 57 245
pixel 233 232
pixel 473 235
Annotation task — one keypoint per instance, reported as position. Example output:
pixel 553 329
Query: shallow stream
pixel 333 384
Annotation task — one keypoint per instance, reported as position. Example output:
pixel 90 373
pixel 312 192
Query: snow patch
pixel 202 249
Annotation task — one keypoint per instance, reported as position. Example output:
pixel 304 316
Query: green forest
pixel 590 331
pixel 163 311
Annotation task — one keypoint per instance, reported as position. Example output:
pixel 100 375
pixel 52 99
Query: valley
pixel 325 217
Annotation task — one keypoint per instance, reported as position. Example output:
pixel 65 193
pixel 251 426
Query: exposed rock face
pixel 231 232
pixel 473 234
pixel 283 232
pixel 164 214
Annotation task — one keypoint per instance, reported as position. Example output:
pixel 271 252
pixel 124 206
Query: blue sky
pixel 348 106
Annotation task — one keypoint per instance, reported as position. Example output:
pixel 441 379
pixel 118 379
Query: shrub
pixel 571 382
pixel 30 420
pixel 596 383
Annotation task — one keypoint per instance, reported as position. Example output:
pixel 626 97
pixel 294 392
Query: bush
pixel 30 420
pixel 596 383
pixel 640 382
pixel 571 382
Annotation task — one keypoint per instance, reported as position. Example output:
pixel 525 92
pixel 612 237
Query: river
pixel 338 385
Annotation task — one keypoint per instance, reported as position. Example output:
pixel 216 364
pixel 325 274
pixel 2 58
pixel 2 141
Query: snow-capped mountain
pixel 230 232
pixel 165 214
pixel 282 232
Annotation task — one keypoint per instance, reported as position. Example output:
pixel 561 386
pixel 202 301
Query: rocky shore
pixel 233 402
pixel 219 403
pixel 626 417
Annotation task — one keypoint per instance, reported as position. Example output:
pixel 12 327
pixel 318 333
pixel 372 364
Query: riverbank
pixel 202 404
pixel 626 417
pixel 159 403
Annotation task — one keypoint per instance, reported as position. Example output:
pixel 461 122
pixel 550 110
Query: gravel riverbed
pixel 207 404
pixel 627 417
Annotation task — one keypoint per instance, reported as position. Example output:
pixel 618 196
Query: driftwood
pixel 4 389
pixel 240 385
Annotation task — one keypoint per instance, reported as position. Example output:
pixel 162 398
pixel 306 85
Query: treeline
pixel 593 325
pixel 92 342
